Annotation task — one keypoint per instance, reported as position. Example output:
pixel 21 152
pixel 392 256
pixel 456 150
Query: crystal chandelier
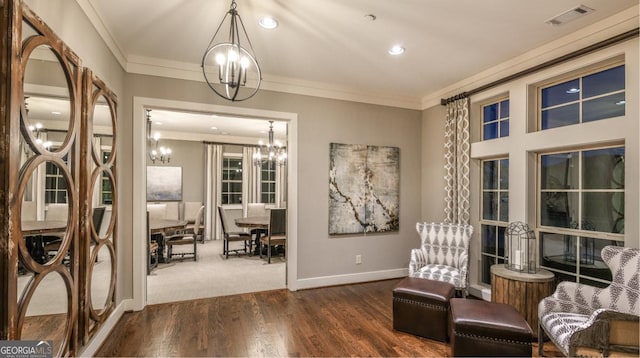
pixel 38 132
pixel 274 151
pixel 230 69
pixel 156 152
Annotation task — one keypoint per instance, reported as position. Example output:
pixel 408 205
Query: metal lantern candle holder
pixel 520 247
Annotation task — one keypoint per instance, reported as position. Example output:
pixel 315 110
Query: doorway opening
pixel 212 274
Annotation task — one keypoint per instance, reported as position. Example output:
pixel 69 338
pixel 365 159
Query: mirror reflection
pixel 101 279
pixel 45 211
pixel 46 314
pixel 101 199
pixel 46 100
pixel 102 131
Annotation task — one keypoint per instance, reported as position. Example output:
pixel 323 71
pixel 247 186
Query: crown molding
pixel 188 71
pixel 613 25
pixel 621 22
pixel 104 32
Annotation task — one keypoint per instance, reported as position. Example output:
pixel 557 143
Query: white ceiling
pixel 332 42
pixel 332 45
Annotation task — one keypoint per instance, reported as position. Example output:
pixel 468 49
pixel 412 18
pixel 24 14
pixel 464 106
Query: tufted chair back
pixel 579 315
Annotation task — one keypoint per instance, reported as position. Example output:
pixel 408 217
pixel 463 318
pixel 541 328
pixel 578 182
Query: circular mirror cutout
pixel 47 314
pixel 47 111
pixel 102 202
pixel 102 131
pixel 102 275
pixel 44 213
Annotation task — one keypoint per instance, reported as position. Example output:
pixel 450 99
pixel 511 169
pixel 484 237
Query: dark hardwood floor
pixel 351 320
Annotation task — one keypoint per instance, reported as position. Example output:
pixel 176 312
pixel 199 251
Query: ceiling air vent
pixel 569 15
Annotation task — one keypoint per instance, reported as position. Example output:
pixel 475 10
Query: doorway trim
pixel 140 178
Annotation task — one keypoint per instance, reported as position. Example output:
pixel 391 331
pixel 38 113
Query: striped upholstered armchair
pixel 584 320
pixel 443 255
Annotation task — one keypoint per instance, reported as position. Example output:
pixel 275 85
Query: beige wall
pixel 320 122
pixel 190 156
pixel 433 122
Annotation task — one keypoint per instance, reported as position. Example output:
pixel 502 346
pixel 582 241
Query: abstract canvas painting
pixel 164 183
pixel 364 185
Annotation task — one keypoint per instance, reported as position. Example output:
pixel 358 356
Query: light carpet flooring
pixel 212 275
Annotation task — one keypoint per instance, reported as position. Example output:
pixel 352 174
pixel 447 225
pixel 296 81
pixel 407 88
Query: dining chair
pixel 190 210
pixel 276 233
pixel 187 236
pixel 57 212
pixel 229 236
pixel 199 214
pixel 257 209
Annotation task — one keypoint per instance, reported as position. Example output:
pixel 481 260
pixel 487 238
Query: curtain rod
pixel 237 144
pixel 227 143
pixel 570 56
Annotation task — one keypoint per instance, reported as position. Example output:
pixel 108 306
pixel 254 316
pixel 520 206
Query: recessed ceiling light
pixel 572 90
pixel 158 123
pixel 56 113
pixel 268 22
pixel 370 17
pixel 396 50
pixel 214 128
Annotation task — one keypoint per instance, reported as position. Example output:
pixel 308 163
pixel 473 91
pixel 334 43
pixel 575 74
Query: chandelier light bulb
pixel 156 136
pixel 244 62
pixel 220 59
pixel 38 126
pixel 38 141
pixel 32 128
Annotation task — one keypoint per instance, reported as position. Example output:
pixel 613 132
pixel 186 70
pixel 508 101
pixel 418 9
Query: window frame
pixel 271 167
pixel 227 194
pixel 496 224
pixel 576 75
pixel 496 101
pixel 578 234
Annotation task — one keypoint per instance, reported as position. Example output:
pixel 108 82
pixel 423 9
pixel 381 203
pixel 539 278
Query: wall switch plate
pixel 358 259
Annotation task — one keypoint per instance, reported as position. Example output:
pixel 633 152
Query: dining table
pixel 258 223
pixel 34 232
pixel 158 228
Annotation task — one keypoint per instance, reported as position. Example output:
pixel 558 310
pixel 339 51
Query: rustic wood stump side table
pixel 521 290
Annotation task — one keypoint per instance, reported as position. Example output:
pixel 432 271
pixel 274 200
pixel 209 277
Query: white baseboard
pixel 101 335
pixel 323 281
pixel 480 292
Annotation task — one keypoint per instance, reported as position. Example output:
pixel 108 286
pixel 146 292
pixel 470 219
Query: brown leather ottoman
pixel 488 329
pixel 421 307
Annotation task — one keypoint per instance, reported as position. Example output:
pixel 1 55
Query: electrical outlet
pixel 358 259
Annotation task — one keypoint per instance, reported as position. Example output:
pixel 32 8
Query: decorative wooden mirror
pixel 58 164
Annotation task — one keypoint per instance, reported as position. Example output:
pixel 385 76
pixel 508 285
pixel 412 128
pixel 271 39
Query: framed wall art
pixel 364 187
pixel 164 183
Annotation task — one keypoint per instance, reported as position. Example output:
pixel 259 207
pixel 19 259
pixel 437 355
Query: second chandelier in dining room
pixel 273 151
pixel 229 64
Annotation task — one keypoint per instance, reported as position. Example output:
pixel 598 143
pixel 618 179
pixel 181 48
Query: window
pixel 231 180
pixel 495 120
pixel 106 190
pixel 494 214
pixel 268 181
pixel 55 191
pixel 587 98
pixel 581 210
